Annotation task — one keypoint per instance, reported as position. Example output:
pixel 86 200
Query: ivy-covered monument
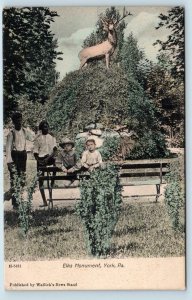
pixel 109 89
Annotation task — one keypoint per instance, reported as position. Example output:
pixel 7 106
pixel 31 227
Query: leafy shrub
pixel 174 194
pixel 109 148
pixel 109 97
pixel 150 145
pixel 33 112
pixel 79 147
pixel 99 208
pixel 178 141
pixel 24 197
pixel 90 95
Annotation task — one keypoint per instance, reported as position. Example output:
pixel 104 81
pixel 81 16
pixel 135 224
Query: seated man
pixel 44 152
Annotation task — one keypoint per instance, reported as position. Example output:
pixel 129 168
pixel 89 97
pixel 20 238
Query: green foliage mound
pixel 99 208
pixel 108 96
pixel 93 94
pixel 174 194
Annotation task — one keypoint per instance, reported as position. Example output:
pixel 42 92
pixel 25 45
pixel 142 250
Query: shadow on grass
pixel 45 231
pixel 11 218
pixel 123 248
pixel 127 230
pixel 39 217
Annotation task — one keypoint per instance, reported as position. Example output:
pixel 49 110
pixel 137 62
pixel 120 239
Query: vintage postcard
pixel 94 177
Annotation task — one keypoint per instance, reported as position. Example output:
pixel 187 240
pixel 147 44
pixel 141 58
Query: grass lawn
pixel 143 230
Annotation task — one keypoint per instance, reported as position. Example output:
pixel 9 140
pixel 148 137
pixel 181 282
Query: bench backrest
pixel 145 169
pixel 132 170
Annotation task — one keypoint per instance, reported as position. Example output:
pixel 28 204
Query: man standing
pixel 44 151
pixel 16 154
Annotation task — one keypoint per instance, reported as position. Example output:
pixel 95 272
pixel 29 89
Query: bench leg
pixel 158 191
pixel 50 186
pixel 50 204
pixel 42 191
pixel 50 200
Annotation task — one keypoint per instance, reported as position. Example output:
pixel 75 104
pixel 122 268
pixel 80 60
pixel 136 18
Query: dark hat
pixel 65 141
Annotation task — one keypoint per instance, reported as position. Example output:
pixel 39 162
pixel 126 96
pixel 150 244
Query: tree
pixel 174 48
pixel 175 43
pixel 130 56
pixel 29 53
pixel 168 96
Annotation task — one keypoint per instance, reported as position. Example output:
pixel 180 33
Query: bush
pixel 33 112
pixel 99 208
pixel 79 147
pixel 110 147
pixel 178 141
pixel 24 197
pixel 110 97
pixel 174 194
pixel 150 145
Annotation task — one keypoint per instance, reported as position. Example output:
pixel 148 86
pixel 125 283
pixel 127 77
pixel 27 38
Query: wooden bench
pixel 145 172
pixel 48 177
pixel 132 173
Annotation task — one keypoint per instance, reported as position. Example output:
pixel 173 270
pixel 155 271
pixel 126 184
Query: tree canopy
pixel 169 73
pixel 175 43
pixel 29 53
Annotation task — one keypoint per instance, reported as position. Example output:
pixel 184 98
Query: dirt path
pixel 71 195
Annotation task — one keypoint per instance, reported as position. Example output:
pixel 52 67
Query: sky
pixel 74 24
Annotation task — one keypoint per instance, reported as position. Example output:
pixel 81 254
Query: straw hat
pixel 65 141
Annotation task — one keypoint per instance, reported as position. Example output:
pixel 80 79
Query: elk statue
pixel 107 47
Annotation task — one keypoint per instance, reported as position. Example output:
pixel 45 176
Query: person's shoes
pixel 53 185
pixel 7 195
pixel 43 205
pixel 73 183
pixel 15 207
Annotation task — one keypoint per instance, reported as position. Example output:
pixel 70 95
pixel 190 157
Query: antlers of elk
pixel 125 14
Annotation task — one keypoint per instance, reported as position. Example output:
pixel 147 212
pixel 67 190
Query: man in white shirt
pixel 44 151
pixel 16 154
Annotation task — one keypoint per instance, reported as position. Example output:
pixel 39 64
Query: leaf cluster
pixel 175 43
pixel 174 194
pixel 109 148
pixel 29 54
pixel 24 198
pixel 99 208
